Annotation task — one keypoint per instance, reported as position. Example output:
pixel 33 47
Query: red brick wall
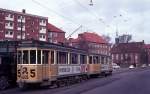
pixel 28 25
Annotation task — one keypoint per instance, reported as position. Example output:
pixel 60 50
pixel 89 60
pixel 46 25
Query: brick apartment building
pixel 93 43
pixel 32 26
pixel 55 35
pixel 147 47
pixel 133 53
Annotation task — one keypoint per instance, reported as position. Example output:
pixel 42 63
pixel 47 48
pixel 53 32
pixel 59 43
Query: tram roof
pixel 47 45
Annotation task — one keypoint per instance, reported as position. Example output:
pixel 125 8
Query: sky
pixel 105 17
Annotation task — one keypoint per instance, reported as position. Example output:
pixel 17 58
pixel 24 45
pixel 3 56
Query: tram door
pixel 45 65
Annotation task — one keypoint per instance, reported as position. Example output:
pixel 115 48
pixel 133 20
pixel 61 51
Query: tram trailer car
pixel 42 63
pixel 8 65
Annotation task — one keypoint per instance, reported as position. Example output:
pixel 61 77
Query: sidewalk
pixel 121 70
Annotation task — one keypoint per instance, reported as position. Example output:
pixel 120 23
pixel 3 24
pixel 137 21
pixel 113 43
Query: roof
pixel 92 37
pixel 22 13
pixel 53 28
pixel 147 46
pixel 127 47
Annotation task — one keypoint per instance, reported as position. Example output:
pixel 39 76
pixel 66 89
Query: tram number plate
pixel 24 73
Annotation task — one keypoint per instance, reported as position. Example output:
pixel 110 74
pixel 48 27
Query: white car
pixel 143 66
pixel 115 66
pixel 131 67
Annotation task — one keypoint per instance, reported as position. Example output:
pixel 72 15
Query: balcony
pixel 43 23
pixel 23 20
pixel 9 18
pixel 42 39
pixel 7 26
pixel 9 36
pixel 43 30
pixel 19 28
pixel 19 37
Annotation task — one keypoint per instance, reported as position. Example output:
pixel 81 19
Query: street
pixel 133 81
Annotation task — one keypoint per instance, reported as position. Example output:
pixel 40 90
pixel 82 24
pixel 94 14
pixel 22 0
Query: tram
pixel 45 63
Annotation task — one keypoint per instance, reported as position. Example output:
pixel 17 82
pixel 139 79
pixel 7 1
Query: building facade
pixel 20 25
pixel 126 54
pixel 147 47
pixel 92 43
pixel 55 35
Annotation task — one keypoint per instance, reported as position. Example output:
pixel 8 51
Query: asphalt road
pixel 136 81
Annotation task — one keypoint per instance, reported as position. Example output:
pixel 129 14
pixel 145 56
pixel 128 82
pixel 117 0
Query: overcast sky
pixel 104 17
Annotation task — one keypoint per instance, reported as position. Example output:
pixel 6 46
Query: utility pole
pixel 74 31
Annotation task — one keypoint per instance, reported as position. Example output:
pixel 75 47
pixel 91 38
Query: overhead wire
pixel 60 15
pixel 91 12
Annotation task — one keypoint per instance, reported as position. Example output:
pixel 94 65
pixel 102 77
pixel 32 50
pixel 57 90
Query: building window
pixel 32 23
pixel 11 24
pixel 19 17
pixel 117 56
pixel 55 34
pixel 32 30
pixel 9 32
pixel 121 56
pixel 11 16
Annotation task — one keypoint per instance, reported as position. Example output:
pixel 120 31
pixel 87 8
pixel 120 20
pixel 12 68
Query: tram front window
pixel 19 57
pixel 32 57
pixel 39 57
pixel 25 57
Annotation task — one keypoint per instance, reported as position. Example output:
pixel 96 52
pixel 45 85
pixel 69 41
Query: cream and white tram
pixel 47 64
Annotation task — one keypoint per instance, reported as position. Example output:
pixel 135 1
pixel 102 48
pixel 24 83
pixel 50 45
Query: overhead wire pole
pixel 74 31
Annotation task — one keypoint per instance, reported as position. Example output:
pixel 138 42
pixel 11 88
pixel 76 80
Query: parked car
pixel 143 65
pixel 131 67
pixel 115 66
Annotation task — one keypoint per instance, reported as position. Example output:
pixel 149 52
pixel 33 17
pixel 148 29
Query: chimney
pixel 23 11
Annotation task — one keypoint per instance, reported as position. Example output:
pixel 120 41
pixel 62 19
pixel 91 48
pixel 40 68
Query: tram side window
pixel 0 60
pixel 45 57
pixel 102 60
pixel 32 57
pixel 25 57
pixel 95 60
pixel 73 58
pixel 62 57
pixel 90 60
pixel 52 57
pixel 19 57
pixel 39 57
pixel 83 59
